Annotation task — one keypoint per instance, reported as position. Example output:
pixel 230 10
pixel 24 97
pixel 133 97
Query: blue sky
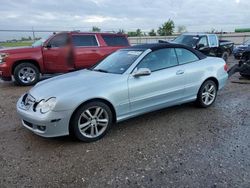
pixel 196 15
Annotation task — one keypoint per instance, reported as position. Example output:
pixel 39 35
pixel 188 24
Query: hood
pixel 243 46
pixel 72 83
pixel 19 50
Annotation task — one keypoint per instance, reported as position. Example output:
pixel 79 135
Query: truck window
pixel 113 40
pixel 213 40
pixel 185 56
pixel 84 40
pixel 203 40
pixel 189 40
pixel 59 40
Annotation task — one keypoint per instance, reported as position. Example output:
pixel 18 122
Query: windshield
pixel 39 42
pixel 189 40
pixel 118 62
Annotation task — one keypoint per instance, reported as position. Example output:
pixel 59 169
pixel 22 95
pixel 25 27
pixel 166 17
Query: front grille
pixel 28 124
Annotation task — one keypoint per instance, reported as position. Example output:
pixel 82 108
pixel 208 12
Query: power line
pixel 29 30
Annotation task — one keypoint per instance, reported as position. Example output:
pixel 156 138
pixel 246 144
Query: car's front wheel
pixel 207 94
pixel 91 121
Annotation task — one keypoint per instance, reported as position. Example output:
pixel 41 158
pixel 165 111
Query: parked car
pixel 238 51
pixel 127 83
pixel 243 67
pixel 244 64
pixel 208 44
pixel 60 53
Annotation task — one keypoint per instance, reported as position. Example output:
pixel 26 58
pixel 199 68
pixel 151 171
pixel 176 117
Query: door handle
pixel 179 72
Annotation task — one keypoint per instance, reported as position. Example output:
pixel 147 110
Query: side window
pixel 59 40
pixel 84 40
pixel 185 56
pixel 213 40
pixel 114 40
pixel 159 59
pixel 203 41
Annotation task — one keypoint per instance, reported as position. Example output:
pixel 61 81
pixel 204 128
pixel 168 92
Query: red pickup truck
pixel 62 52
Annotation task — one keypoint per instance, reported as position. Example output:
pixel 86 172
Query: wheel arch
pixel 16 63
pixel 105 101
pixel 213 79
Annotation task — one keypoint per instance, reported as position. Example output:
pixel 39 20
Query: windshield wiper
pixel 100 70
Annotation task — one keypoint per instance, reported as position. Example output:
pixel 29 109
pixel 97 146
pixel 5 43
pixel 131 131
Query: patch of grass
pixel 16 44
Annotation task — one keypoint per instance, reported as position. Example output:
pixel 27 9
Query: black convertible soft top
pixel 157 46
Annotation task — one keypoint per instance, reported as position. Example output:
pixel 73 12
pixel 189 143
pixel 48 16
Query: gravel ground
pixel 182 146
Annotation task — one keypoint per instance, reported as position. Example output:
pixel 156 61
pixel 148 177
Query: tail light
pixel 226 67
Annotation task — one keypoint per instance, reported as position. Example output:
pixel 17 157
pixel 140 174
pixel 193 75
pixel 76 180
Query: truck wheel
pixel 225 56
pixel 26 74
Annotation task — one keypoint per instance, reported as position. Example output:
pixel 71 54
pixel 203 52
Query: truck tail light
pixel 225 67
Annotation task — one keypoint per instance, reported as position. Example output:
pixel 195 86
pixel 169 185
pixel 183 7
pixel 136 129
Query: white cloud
pixel 196 15
pixel 98 19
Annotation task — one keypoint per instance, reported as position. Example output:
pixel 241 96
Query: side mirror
pixel 200 46
pixel 142 72
pixel 48 45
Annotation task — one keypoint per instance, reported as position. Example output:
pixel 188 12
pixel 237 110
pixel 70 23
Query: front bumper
pixel 51 124
pixel 5 72
pixel 237 55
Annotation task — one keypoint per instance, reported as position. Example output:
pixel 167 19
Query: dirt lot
pixel 182 146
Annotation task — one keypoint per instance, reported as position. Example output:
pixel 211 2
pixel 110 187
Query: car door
pixel 87 51
pixel 203 45
pixel 57 54
pixel 214 45
pixel 163 87
pixel 193 70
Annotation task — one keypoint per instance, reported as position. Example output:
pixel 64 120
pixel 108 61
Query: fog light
pixel 41 128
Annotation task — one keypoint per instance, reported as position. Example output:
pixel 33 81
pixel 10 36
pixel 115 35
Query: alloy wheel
pixel 93 122
pixel 208 94
pixel 27 75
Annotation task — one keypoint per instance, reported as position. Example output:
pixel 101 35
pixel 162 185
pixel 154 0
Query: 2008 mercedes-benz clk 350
pixel 129 82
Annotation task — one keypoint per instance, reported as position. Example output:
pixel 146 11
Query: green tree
pixel 138 33
pixel 181 29
pixel 152 33
pixel 96 29
pixel 132 34
pixel 167 28
pixel 121 31
pixel 213 30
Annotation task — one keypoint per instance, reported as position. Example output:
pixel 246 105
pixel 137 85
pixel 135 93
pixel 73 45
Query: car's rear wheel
pixel 26 74
pixel 91 121
pixel 207 94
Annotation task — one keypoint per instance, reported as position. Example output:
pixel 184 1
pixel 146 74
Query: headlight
pixel 3 56
pixel 45 106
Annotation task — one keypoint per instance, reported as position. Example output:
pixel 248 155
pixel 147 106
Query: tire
pixel 206 98
pixel 225 56
pixel 245 75
pixel 26 74
pixel 88 127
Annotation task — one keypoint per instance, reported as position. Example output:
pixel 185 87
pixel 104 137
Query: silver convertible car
pixel 129 82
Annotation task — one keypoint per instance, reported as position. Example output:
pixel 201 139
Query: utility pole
pixel 33 32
